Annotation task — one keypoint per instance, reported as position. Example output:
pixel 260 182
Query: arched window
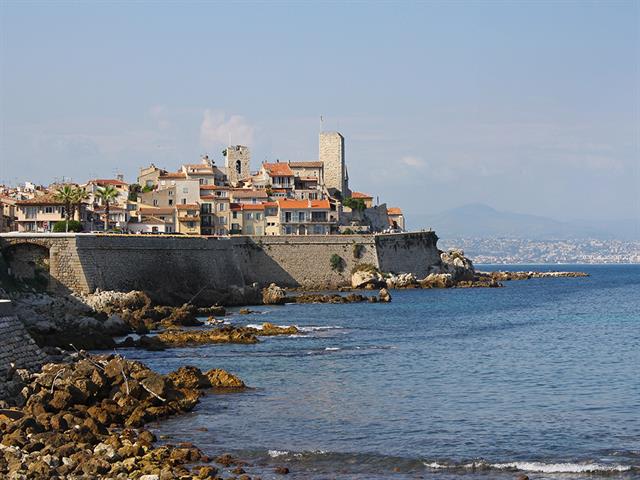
pixel 238 166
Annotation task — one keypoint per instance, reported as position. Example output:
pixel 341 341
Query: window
pixel 190 224
pixel 238 167
pixel 184 201
pixel 258 216
pixel 287 230
pixel 248 215
pixel 170 193
pixel 235 215
pixel 203 181
pixel 170 201
pixel 221 207
pixel 48 209
pixel 206 208
pixel 185 189
pixel 155 202
pixel 287 217
pixel 169 229
pixel 162 182
pixel 301 216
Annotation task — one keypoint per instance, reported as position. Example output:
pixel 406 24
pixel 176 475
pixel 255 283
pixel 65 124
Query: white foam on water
pixel 259 326
pixel 333 349
pixel 536 467
pixel 277 453
pixel 319 328
pixel 562 467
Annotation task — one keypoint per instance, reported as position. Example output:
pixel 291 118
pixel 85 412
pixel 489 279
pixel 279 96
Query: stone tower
pixel 238 163
pixel 332 155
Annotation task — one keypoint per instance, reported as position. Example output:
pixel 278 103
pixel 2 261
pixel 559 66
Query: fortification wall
pixel 186 265
pixel 16 346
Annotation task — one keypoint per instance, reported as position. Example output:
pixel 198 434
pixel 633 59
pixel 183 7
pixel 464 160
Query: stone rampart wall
pixel 82 263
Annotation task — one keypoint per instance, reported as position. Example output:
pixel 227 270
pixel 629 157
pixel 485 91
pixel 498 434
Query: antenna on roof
pixel 321 121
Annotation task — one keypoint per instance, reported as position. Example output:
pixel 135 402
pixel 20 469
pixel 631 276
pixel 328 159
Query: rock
pixel 189 377
pixel 403 280
pixel 457 265
pixel 437 280
pixel 366 275
pixel 522 477
pixel 219 378
pixel 269 329
pixel 226 460
pixel 384 295
pixel 245 311
pixel 281 470
pixel 332 298
pixel 273 295
pixel 207 471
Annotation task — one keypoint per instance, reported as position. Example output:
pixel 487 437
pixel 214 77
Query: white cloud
pixel 216 129
pixel 413 161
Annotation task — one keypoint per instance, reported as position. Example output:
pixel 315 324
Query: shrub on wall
pixel 337 263
pixel 61 226
pixel 365 267
pixel 358 250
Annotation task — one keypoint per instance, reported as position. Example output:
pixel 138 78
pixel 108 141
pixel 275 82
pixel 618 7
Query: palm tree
pixel 79 195
pixel 106 194
pixel 65 194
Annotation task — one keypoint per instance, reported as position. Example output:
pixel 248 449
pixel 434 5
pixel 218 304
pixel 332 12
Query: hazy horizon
pixel 527 108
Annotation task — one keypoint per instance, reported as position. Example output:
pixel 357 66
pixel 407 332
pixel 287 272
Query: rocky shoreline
pixel 85 418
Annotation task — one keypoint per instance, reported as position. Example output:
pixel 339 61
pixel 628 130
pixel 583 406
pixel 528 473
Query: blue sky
pixel 532 107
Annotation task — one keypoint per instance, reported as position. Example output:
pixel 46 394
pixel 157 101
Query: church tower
pixel 332 156
pixel 237 163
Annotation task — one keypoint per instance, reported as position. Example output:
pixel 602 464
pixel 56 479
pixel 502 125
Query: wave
pixel 320 328
pixel 535 467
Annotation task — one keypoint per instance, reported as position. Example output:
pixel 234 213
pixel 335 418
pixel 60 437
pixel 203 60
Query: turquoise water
pixel 542 376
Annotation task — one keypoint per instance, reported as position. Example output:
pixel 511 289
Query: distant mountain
pixel 480 221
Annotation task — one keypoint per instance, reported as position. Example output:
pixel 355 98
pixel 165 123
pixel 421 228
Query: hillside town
pixel 208 198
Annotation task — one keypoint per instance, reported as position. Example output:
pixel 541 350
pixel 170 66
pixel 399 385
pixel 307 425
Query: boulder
pixel 437 280
pixel 384 295
pixel 273 295
pixel 362 278
pixel 402 280
pixel 219 378
pixel 457 265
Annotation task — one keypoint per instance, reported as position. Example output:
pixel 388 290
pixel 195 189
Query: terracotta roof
pixel 188 206
pixel 107 181
pixel 152 221
pixel 301 204
pixel 249 194
pixel 306 164
pixel 270 204
pixel 394 211
pixel 46 199
pixel 279 169
pixel 360 195
pixel 214 197
pixel 252 206
pixel 156 210
pixel 173 175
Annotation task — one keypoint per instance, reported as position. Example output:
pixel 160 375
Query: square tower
pixel 237 163
pixel 332 156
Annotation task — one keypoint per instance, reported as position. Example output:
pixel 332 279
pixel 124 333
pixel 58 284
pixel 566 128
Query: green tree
pixel 66 195
pixel 134 190
pixel 106 195
pixel 354 203
pixel 71 226
pixel 79 196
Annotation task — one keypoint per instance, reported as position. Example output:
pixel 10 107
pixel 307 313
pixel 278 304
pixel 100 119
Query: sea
pixel 541 377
